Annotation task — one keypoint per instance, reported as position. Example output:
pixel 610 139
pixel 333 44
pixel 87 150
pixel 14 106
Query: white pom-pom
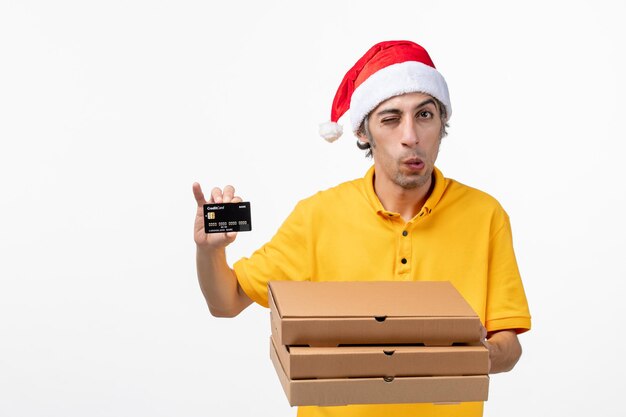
pixel 330 131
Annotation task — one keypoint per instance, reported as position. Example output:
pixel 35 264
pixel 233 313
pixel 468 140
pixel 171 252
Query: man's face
pixel 405 133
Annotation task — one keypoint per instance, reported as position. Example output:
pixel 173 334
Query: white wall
pixel 110 110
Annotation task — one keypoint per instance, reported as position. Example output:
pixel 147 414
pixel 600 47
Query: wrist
pixel 210 251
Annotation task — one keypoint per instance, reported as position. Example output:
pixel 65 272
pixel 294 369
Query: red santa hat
pixel 388 69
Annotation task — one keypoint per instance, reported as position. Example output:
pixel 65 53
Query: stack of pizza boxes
pixel 339 343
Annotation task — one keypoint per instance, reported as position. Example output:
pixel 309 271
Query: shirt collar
pixel 439 187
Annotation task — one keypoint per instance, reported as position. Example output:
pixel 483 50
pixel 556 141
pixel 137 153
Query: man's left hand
pixel 504 350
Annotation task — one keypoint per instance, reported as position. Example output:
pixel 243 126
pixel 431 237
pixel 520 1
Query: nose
pixel 410 136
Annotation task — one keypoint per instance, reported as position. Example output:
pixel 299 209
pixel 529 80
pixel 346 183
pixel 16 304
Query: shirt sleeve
pixel 284 257
pixel 507 307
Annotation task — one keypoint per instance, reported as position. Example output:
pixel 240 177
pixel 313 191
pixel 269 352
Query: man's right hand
pixel 218 281
pixel 212 240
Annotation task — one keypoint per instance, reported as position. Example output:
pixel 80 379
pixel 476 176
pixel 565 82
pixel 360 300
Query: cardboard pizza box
pixel 380 390
pixel 370 312
pixel 300 362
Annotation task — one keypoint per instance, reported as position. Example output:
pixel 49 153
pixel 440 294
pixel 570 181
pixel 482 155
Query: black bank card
pixel 227 217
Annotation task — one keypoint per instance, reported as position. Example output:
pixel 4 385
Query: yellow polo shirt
pixel 461 235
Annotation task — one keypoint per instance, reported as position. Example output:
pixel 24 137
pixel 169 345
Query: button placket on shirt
pixel 404 251
pixel 405 241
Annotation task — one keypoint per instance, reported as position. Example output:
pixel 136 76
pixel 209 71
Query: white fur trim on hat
pixel 330 131
pixel 394 80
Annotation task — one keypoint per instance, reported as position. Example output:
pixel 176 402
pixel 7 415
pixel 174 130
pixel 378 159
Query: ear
pixel 362 137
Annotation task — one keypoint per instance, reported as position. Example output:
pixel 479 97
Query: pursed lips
pixel 413 163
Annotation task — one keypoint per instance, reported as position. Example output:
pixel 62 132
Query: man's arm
pixel 218 282
pixel 504 351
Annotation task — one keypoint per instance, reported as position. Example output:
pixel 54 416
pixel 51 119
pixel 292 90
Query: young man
pixel 403 221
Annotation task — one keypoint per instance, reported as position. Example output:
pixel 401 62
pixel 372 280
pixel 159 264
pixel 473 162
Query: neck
pixel 406 202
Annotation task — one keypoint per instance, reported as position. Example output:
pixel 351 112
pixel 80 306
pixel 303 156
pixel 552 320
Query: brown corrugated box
pixel 377 312
pixel 379 361
pixel 336 343
pixel 381 390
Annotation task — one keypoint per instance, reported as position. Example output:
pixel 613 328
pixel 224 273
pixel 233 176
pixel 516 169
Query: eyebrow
pixel 398 111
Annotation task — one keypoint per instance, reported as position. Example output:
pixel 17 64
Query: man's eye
pixel 389 120
pixel 425 114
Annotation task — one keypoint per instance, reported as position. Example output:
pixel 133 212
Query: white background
pixel 109 111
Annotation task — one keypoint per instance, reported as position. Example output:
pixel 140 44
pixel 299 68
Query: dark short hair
pixel 364 128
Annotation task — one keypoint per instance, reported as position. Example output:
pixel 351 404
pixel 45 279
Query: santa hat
pixel 388 69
